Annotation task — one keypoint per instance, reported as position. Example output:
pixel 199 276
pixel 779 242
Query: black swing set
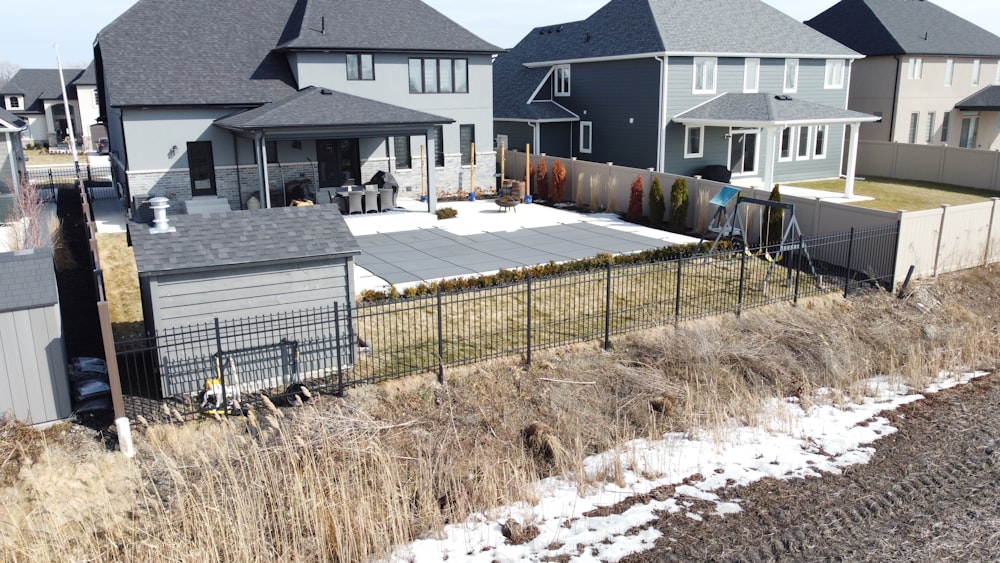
pixel 734 227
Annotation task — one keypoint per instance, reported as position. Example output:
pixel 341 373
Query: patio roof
pixel 767 110
pixel 544 111
pixel 320 112
pixel 987 99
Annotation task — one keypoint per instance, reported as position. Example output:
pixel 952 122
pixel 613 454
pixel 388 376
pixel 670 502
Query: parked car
pixel 103 146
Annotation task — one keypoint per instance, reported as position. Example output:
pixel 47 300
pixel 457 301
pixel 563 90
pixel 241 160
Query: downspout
pixel 895 100
pixel 661 135
pixel 13 164
pixel 236 159
pixel 535 135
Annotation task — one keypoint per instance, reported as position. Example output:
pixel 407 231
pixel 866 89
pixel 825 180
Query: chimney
pixel 161 224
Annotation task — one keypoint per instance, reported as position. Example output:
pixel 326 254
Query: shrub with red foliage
pixel 635 201
pixel 542 180
pixel 558 181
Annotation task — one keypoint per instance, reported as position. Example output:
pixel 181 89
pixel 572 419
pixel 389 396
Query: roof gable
pixel 38 85
pixel 895 27
pixel 10 122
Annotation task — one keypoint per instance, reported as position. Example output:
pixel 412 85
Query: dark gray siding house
pixel 240 265
pixel 33 383
pixel 633 82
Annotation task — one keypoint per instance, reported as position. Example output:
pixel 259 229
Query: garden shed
pixel 245 272
pixel 33 382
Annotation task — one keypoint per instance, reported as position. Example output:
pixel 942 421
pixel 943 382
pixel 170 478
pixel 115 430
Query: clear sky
pixel 73 24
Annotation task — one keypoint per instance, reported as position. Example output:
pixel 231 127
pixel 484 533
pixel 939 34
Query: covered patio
pixel 775 118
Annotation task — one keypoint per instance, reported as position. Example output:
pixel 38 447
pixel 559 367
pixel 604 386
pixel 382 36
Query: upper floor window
pixel 13 102
pixel 791 76
pixel 360 66
pixel 694 141
pixel 976 68
pixel 834 74
pixel 915 69
pixel 704 75
pixel 751 75
pixel 949 71
pixel 444 76
pixel 562 80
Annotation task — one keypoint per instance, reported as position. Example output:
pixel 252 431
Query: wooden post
pixel 423 170
pixel 503 164
pixel 527 169
pixel 472 171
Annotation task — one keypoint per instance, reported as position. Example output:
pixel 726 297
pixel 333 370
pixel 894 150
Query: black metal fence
pixel 332 348
pixel 96 180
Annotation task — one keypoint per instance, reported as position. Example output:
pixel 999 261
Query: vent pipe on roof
pixel 322 25
pixel 161 224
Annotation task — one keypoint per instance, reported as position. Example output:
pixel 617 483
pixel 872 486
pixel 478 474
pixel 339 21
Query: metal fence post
pixel 218 361
pixel 440 319
pixel 798 272
pixel 743 271
pixel 677 297
pixel 607 310
pixel 340 363
pixel 850 252
pixel 528 358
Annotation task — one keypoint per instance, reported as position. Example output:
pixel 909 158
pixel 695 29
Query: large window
pixel 202 168
pixel 791 84
pixel 949 71
pixel 704 75
pixel 915 68
pixel 976 69
pixel 360 66
pixel 834 74
pixel 562 80
pixel 466 136
pixel 751 75
pixel 401 148
pixel 931 119
pixel 970 125
pixel 439 76
pixel 438 146
pixel 586 136
pixel 694 142
pixel 914 124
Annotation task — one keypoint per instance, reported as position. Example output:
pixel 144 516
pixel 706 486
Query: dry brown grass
pixel 346 479
pixel 121 284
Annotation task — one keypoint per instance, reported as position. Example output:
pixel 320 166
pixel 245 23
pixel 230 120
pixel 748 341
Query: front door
pixel 339 162
pixel 743 152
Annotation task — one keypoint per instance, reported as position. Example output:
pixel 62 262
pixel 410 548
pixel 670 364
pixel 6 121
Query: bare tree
pixel 7 71
pixel 30 231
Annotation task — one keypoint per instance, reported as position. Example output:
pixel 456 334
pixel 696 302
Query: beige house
pixel 926 72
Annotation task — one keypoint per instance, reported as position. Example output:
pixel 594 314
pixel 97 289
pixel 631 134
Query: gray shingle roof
pixel 38 85
pixel 987 99
pixel 88 77
pixel 895 27
pixel 675 27
pixel 27 280
pixel 321 107
pixel 757 109
pixel 220 52
pixel 383 25
pixel 216 240
pixel 10 118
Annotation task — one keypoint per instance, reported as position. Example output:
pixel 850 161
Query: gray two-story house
pixel 677 85
pixel 220 98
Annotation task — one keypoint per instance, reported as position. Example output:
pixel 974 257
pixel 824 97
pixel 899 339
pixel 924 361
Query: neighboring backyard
pixel 906 195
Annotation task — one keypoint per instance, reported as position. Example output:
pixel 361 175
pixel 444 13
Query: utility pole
pixel 69 116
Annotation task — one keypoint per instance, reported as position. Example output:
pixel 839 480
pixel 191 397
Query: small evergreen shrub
pixel 657 206
pixel 634 212
pixel 679 204
pixel 558 182
pixel 774 218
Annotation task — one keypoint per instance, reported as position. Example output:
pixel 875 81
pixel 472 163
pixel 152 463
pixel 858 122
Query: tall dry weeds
pixel 347 479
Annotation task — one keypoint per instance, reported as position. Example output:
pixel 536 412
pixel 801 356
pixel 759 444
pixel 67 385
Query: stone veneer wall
pixel 237 184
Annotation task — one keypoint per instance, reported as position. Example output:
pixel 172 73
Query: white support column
pixel 431 188
pixel 770 155
pixel 15 181
pixel 852 159
pixel 265 182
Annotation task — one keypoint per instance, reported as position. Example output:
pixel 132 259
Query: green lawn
pixel 908 195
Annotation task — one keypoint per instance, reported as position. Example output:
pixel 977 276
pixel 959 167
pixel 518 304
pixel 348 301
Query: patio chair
pixel 354 203
pixel 385 199
pixel 371 201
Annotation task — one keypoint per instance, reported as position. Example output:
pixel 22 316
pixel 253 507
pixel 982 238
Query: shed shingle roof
pixel 40 84
pixel 895 27
pixel 27 280
pixel 320 107
pixel 762 108
pixel 9 118
pixel 214 240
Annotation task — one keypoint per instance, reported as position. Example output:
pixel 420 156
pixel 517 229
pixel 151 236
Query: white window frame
pixel 977 68
pixel 949 72
pixel 14 102
pixel 586 137
pixel 931 124
pixel 792 145
pixel 915 68
pixel 801 143
pixel 833 77
pixel 914 127
pixel 751 71
pixel 687 141
pixel 561 81
pixel 819 152
pixel 708 69
pixel 792 72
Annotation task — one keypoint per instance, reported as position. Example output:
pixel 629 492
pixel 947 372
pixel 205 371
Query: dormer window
pixel 13 102
pixel 360 66
pixel 562 80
